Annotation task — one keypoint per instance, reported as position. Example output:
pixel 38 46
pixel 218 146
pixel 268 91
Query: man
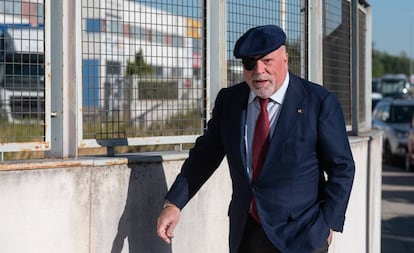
pixel 296 192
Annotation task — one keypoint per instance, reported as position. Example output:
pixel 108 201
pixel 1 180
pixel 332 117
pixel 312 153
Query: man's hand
pixel 330 236
pixel 167 221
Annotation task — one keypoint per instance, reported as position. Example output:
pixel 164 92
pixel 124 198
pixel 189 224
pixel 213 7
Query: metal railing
pixel 145 73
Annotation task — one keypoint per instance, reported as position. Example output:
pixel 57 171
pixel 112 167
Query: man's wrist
pixel 168 203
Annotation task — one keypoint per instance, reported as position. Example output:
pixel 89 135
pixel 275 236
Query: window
pixel 2 46
pixel 168 39
pixel 177 72
pixel 401 114
pixel 149 35
pixel 159 37
pixel 178 41
pixel 158 71
pixel 11 7
pixel 113 68
pixel 93 25
pixel 137 33
pixel 116 27
pixel 40 11
pixel 14 69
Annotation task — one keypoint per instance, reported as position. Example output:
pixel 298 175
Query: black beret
pixel 259 41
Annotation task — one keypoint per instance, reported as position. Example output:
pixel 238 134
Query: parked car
pixel 375 98
pixel 375 83
pixel 409 156
pixel 393 85
pixel 22 70
pixel 393 116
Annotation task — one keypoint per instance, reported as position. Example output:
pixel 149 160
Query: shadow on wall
pixel 146 191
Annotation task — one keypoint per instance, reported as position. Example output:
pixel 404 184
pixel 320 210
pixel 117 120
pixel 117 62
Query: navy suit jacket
pixel 305 182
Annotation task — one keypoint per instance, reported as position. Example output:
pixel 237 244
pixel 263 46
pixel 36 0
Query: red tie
pixel 260 144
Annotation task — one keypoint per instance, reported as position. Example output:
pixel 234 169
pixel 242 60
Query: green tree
pixel 139 66
pixel 377 65
pixel 383 63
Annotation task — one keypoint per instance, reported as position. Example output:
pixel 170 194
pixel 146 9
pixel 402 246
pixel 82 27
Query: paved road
pixel 397 233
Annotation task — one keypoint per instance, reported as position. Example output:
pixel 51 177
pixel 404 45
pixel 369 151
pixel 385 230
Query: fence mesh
pixel 290 15
pixel 22 82
pixel 337 52
pixel 143 64
pixel 142 67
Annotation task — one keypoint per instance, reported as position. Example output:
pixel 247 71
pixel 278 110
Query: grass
pixel 189 123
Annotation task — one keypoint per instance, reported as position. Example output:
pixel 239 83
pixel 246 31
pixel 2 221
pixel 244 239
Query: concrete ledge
pixel 119 159
pixel 61 163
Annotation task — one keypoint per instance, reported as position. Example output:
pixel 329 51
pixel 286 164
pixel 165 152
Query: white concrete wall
pixel 111 205
pixel 362 230
pixel 353 237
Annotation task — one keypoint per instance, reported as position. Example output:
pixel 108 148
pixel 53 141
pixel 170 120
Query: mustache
pixel 260 78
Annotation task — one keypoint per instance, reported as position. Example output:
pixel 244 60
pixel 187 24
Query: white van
pixel 22 73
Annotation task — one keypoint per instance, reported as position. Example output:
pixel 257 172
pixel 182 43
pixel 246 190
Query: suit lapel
pixel 288 118
pixel 242 123
pixel 234 124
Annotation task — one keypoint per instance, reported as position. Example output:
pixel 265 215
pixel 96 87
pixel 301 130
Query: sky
pixel 392 23
pixel 393 26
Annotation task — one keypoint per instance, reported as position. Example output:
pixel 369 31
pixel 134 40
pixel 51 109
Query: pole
pixel 354 67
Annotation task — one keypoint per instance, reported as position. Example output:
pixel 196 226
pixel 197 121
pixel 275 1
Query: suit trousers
pixel 254 240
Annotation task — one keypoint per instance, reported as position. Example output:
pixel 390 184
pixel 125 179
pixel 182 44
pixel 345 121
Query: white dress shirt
pixel 253 110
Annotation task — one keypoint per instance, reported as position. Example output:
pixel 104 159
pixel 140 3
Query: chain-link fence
pixel 22 73
pixel 144 65
pixel 290 15
pixel 142 68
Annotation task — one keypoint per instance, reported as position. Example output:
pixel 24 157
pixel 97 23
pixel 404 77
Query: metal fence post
pixel 65 21
pixel 354 67
pixel 315 29
pixel 216 51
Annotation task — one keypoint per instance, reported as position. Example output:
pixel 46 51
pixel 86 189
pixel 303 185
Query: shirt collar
pixel 278 96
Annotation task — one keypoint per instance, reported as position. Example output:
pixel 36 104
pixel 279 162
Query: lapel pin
pixel 299 110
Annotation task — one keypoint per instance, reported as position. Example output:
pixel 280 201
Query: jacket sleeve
pixel 204 158
pixel 336 161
